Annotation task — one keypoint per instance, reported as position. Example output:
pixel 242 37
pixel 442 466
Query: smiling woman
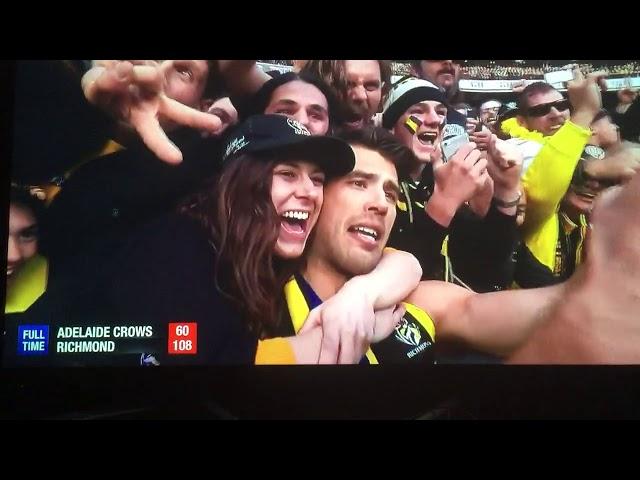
pixel 261 210
pixel 296 192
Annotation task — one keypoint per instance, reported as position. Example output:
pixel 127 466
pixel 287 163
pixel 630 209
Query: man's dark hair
pixel 385 77
pixel 23 197
pixel 530 90
pixel 382 141
pixel 259 102
pixel 417 65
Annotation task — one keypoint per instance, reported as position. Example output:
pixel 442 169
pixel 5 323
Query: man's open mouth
pixel 367 233
pixel 428 138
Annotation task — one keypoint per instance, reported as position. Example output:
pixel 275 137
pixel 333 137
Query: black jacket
pixel 479 250
pixel 109 195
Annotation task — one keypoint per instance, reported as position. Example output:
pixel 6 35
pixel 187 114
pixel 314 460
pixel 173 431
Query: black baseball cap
pixel 278 133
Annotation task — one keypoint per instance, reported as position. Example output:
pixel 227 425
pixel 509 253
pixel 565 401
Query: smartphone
pixel 453 137
pixel 558 77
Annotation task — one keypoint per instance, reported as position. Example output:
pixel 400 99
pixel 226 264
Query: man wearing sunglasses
pixel 543 108
pixel 553 236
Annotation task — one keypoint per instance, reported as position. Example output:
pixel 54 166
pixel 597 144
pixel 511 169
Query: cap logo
pixel 298 127
pixel 235 145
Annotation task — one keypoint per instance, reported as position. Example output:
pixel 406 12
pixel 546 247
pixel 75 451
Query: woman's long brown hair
pixel 237 211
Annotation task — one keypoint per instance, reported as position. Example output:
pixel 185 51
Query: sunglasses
pixel 544 108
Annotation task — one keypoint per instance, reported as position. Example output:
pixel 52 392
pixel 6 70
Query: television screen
pixel 222 218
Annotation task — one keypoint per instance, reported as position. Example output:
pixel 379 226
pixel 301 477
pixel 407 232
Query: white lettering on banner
pixel 468 85
pixel 266 67
pixel 620 83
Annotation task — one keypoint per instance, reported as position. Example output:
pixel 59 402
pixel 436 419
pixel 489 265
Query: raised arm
pixel 496 322
pixel 133 92
pixel 348 318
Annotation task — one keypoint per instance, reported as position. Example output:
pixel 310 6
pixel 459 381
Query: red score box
pixel 183 338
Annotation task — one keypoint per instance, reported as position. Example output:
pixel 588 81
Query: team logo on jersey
pixel 408 333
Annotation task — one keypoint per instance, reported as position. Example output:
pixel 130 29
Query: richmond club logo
pixel 408 333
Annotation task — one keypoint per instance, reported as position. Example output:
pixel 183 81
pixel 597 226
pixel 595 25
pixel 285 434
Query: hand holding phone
pixel 453 137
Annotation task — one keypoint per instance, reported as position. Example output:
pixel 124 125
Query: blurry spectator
pixel 626 113
pixel 604 133
pixel 298 65
pixel 361 85
pixel 301 96
pixel 463 108
pixel 553 240
pixel 26 270
pixel 489 112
